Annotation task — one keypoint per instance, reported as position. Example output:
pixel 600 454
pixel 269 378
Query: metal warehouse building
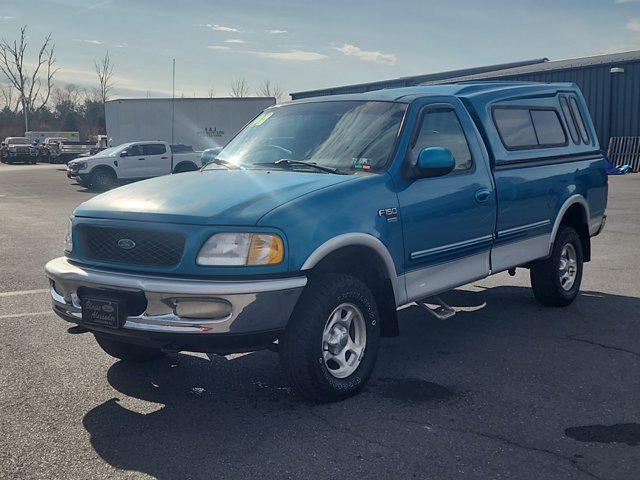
pixel 610 84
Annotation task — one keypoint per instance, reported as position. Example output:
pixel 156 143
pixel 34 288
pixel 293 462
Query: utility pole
pixel 26 116
pixel 173 100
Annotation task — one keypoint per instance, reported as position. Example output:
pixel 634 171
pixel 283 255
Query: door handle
pixel 483 195
pixel 141 159
pixel 163 158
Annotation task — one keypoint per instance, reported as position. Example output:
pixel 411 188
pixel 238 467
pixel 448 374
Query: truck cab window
pixel 441 128
pixel 153 149
pixel 134 151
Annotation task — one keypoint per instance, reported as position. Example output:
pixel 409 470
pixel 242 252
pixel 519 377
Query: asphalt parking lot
pixel 506 389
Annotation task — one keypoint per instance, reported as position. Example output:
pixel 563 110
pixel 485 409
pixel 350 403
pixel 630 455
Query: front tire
pixel 102 180
pixel 128 352
pixel 330 345
pixel 556 280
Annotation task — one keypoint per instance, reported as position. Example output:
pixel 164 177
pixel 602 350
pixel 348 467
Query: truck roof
pixel 484 91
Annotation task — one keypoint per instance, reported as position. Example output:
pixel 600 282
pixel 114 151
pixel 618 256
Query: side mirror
pixel 123 154
pixel 434 162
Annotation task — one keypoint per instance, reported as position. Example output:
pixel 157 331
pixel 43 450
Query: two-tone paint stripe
pixel 521 232
pixel 458 249
pixel 469 247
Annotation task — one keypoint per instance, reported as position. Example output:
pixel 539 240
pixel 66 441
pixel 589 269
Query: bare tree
pixel 239 88
pixel 7 98
pixel 268 89
pixel 104 71
pixel 212 93
pixel 71 96
pixel 33 87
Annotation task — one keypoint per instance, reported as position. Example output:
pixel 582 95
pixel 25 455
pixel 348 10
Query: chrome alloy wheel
pixel 344 340
pixel 568 268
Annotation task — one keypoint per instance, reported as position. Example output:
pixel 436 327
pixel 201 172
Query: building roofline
pixel 551 66
pixel 423 78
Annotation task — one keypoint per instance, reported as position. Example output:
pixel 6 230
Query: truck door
pixel 132 165
pixel 157 159
pixel 448 221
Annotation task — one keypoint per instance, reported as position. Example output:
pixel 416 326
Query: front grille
pixel 131 246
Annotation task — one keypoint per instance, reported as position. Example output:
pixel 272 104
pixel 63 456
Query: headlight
pixel 81 165
pixel 237 249
pixel 68 239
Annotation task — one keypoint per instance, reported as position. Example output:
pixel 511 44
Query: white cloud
pixel 276 32
pixel 82 76
pixel 634 25
pixel 6 18
pixel 217 28
pixel 222 28
pixel 93 42
pixel 93 6
pixel 234 40
pixel 217 47
pixel 292 55
pixel 627 1
pixel 367 56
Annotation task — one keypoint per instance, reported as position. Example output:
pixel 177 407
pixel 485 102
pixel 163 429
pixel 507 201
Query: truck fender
pixel 569 202
pixel 360 239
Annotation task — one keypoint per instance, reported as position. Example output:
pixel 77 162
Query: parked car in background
pixel 18 149
pixel 332 213
pixel 132 161
pixel 62 150
pixel 49 149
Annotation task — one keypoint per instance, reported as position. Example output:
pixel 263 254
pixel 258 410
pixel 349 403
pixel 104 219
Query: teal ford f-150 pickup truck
pixel 323 216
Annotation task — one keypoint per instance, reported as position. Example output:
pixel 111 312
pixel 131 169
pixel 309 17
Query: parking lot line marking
pixel 18 315
pixel 23 292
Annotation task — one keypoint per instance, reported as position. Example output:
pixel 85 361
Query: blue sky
pixel 305 44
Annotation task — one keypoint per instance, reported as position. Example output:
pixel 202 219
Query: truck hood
pixel 210 197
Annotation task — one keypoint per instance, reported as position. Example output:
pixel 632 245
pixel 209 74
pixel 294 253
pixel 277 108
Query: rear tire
pixel 330 345
pixel 127 351
pixel 102 180
pixel 556 280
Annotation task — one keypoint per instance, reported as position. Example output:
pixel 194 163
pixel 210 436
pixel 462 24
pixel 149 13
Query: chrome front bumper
pixel 256 306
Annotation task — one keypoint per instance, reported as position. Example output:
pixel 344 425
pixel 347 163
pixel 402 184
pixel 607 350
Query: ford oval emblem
pixel 126 243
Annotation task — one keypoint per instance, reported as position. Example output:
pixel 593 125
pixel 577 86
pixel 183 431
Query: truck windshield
pixel 348 136
pixel 113 151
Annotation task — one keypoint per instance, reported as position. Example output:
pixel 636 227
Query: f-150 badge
pixel 391 214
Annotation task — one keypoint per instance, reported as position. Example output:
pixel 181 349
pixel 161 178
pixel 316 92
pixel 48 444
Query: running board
pixel 442 311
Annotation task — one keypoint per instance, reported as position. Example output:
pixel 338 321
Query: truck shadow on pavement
pixel 189 417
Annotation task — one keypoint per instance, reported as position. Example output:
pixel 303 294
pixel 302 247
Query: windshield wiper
pixel 227 163
pixel 290 162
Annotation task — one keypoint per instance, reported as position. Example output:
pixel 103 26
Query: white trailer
pixel 199 122
pixel 41 136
